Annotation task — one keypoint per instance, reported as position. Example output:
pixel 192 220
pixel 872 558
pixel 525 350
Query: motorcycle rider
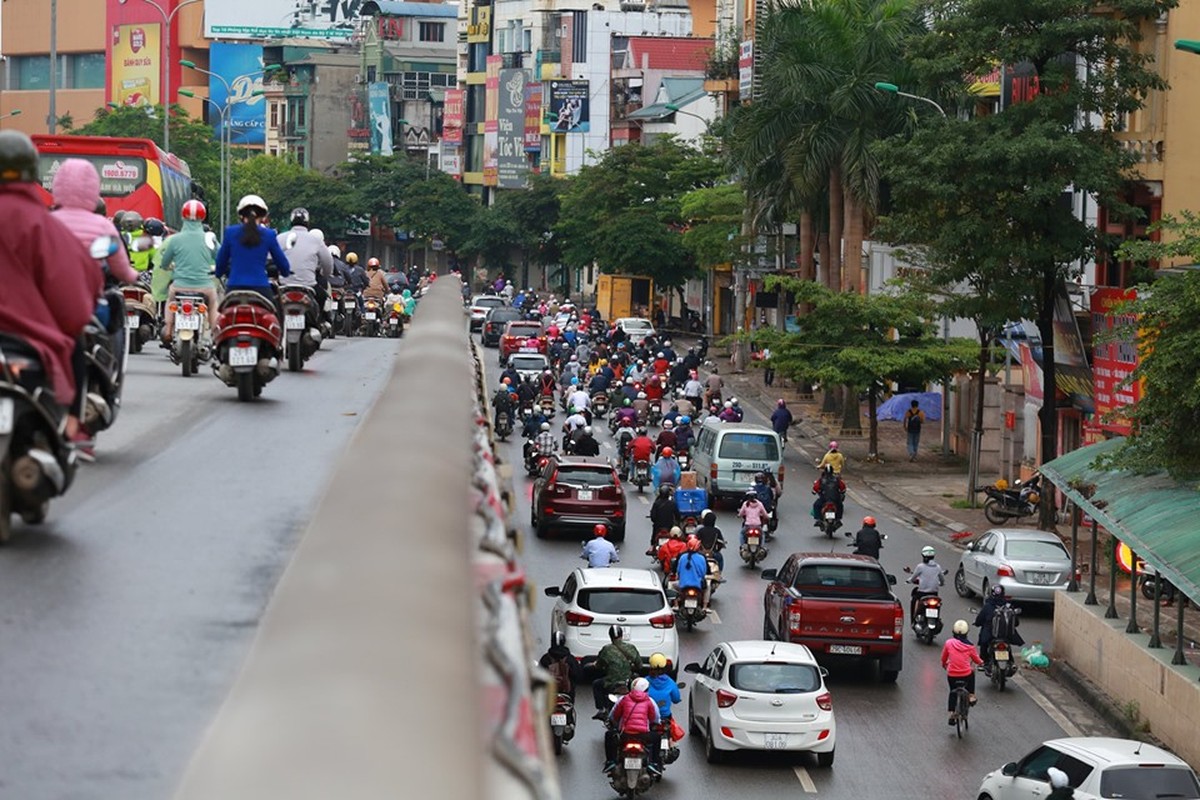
pixel 634 717
pixel 764 490
pixel 728 414
pixel 996 600
pixel 309 258
pixel 626 411
pixel 712 387
pixel 641 407
pixel 928 577
pixel 752 512
pixel 711 539
pixel 666 469
pixel 188 257
pixel 377 285
pixel 691 568
pixel 526 392
pixel 833 458
pixel 356 277
pixel 684 435
pixel 599 551
pixel 586 445
pixel 670 550
pixel 245 247
pixel 662 514
pixel 666 437
pixel 828 488
pixel 77 203
pixel 640 448
pixel 544 444
pixel 738 412
pixel 502 403
pixel 663 688
pixel 546 384
pixel 617 662
pixel 559 662
pixel 959 659
pixel 50 279
pixel 868 541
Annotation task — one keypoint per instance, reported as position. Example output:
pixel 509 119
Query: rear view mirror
pixel 693 668
pixel 1009 769
pixel 103 247
pixel 552 591
pixel 891 579
pixel 769 574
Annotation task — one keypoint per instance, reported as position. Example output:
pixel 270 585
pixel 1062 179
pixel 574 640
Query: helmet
pixel 300 216
pixel 733 400
pixel 641 431
pixel 574 381
pixel 545 426
pixel 677 532
pixel 664 490
pixel 626 422
pixel 372 262
pixel 660 355
pixel 751 494
pixel 629 380
pixel 18 158
pixel 132 221
pixel 780 403
pixel 869 521
pixel 600 529
pixel 1058 778
pixel 627 402
pixel 833 445
pixel 667 452
pixel 728 404
pixel 667 343
pixel 693 544
pixel 587 429
pixel 961 627
pixel 351 258
pixel 558 639
pixel 658 661
pixel 685 420
pixel 708 516
pixel 317 232
pixel 154 227
pixel 641 395
pixel 667 424
pixel 335 251
pixel 640 685
pixel 194 211
pixel 928 552
pixel 997 591
pixel 615 632
pixel 506 380
pixel 253 201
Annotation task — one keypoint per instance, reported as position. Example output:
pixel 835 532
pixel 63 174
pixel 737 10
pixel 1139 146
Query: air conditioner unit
pixel 360 78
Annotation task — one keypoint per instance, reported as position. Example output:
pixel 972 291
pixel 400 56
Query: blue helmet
pixel 685 420
pixel 574 381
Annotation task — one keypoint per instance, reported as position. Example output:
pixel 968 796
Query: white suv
pixel 1096 767
pixel 636 329
pixel 592 600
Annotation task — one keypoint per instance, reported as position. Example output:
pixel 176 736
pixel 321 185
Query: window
pixel 432 31
pixel 477 57
pixel 568 588
pixel 837 580
pixel 75 71
pixel 621 601
pixel 1036 763
pixel 274 115
pixel 775 678
pixel 85 71
pixel 32 73
pixel 1034 550
pixel 527 40
pixel 579 37
pixel 1138 782
pixel 585 477
pixel 750 446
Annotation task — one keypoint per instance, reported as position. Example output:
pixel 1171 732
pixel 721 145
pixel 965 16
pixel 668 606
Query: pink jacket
pixel 50 282
pixel 958 656
pixel 635 713
pixel 77 193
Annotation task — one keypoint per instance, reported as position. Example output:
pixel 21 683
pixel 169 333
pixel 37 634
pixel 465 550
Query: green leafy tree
pixel 998 181
pixel 285 185
pixel 380 184
pixel 864 342
pixel 437 208
pixel 191 139
pixel 535 211
pixel 713 216
pixel 495 235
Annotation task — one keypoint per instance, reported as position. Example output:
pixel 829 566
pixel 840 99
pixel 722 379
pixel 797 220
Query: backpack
pixel 562 675
pixel 912 422
pixel 1004 623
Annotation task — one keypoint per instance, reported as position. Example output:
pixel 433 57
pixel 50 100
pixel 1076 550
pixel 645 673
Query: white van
pixel 726 456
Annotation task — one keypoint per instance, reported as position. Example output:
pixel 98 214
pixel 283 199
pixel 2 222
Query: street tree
pixel 999 184
pixel 713 220
pixel 285 185
pixel 437 208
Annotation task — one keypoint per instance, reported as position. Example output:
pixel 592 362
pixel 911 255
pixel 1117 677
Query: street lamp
pixel 1188 45
pixel 166 60
pixel 223 189
pixel 892 88
pixel 13 113
pixel 674 109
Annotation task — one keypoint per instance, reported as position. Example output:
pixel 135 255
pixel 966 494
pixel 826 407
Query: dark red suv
pixel 573 494
pixel 521 336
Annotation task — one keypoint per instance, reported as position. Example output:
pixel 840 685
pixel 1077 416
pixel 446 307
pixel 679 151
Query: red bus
pixel 135 175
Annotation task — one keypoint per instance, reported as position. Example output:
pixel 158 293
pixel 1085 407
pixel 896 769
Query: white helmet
pixel 252 201
pixel 641 395
pixel 928 552
pixel 335 251
pixel 587 430
pixel 545 426
pixel 668 423
pixel 961 627
pixel 320 234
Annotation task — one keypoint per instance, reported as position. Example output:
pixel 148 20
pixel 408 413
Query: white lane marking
pixel 714 617
pixel 644 499
pixel 806 781
pixel 1068 727
pixel 609 445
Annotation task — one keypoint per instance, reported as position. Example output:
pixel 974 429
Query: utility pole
pixel 52 116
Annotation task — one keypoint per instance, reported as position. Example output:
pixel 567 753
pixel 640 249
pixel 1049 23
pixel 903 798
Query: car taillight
pixel 794 618
pixel 712 470
pixel 725 699
pixel 781 472
pixel 579 620
pixel 898 622
pixel 1005 571
pixel 825 702
pixel 663 621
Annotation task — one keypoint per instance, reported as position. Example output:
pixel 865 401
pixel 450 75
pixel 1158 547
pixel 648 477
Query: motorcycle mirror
pixel 103 247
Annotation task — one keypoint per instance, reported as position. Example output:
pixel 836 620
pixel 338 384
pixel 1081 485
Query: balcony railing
pixel 1148 151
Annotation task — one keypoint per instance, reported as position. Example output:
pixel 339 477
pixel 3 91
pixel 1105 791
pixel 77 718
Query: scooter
pixel 689 607
pixel 395 321
pixel 301 324
pixel 372 312
pixel 1022 500
pixel 141 316
pixel 347 314
pixel 504 425
pixel 1003 664
pixel 632 775
pixel 191 341
pixel 247 343
pixel 641 474
pixel 684 458
pixel 828 522
pixel 562 722
pixel 599 404
pixel 752 551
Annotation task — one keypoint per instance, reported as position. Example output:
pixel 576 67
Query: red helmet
pixel 667 452
pixel 194 210
pixel 372 262
pixel 601 529
pixel 869 521
pixel 693 543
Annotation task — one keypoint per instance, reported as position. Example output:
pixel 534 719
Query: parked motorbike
pixel 689 607
pixel 1148 581
pixel 752 551
pixel 247 343
pixel 372 316
pixel 1003 503
pixel 562 721
pixel 301 324
pixel 828 522
pixel 141 316
pixel 191 341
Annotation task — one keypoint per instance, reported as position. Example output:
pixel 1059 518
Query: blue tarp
pixel 894 407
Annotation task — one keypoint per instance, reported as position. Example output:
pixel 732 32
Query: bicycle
pixel 962 706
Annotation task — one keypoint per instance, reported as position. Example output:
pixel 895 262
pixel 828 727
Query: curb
pixel 917 509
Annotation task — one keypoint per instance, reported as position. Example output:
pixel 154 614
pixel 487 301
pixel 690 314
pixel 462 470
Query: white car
pixel 1096 767
pixel 757 695
pixel 529 365
pixel 636 329
pixel 592 600
pixel 480 305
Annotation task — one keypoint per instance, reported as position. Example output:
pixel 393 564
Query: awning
pixel 1153 514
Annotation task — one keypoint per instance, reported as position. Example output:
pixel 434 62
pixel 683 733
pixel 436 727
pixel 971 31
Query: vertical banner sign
pixel 1113 361
pixel 533 117
pixel 240 65
pixel 379 102
pixel 452 117
pixel 491 121
pixel 1072 375
pixel 511 163
pixel 746 70
pixel 136 65
pixel 570 107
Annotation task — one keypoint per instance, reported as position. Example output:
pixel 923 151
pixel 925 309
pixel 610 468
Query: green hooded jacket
pixel 189 255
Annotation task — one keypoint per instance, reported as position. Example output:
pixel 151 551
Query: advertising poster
pixel 491 121
pixel 746 70
pixel 136 68
pixel 1113 360
pixel 240 65
pixel 379 104
pixel 452 117
pixel 322 19
pixel 512 165
pixel 569 107
pixel 533 117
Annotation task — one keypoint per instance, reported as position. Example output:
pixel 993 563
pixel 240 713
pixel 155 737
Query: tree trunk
pixel 872 423
pixel 977 435
pixel 808 270
pixel 852 258
pixel 823 251
pixel 833 275
pixel 851 413
pixel 829 400
pixel 1048 416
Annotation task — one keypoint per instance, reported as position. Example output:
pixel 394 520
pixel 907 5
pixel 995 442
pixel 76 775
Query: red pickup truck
pixel 837 605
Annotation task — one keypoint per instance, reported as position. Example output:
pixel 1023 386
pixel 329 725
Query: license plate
pixel 633 763
pixel 243 356
pixel 1002 655
pixel 775 741
pixel 528 350
pixel 294 322
pixel 393 321
pixel 691 603
pixel 830 515
pixel 369 316
pixel 6 414
pixel 188 322
pixel 558 719
pixel 585 494
pixel 1042 578
pixel 131 320
pixel 752 541
pixel 932 613
pixel 664 745
pixel 846 649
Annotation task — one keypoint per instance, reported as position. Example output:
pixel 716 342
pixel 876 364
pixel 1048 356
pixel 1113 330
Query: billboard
pixel 512 164
pixel 491 129
pixel 135 73
pixel 239 66
pixel 379 104
pixel 1113 360
pixel 452 117
pixel 746 70
pixel 533 117
pixel 570 107
pixel 317 19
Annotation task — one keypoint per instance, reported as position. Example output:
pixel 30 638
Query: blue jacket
pixel 600 552
pixel 781 419
pixel 691 568
pixel 664 692
pixel 247 266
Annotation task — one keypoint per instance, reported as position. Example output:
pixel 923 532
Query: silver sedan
pixel 1031 565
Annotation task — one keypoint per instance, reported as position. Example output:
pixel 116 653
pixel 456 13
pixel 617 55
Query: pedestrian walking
pixel 768 368
pixel 914 418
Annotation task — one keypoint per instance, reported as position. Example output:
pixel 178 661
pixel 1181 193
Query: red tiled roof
pixel 669 52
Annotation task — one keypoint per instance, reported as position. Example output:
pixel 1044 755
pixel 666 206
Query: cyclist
pixel 959 659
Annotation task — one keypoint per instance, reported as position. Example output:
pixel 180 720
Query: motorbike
pixel 614 422
pixel 247 343
pixel 828 522
pixel 1003 664
pixel 632 775
pixel 301 324
pixel 928 622
pixel 684 458
pixel 536 463
pixel 1022 500
pixel 504 425
pixel 599 404
pixel 641 474
pixel 669 753
pixel 752 551
pixel 656 416
pixel 546 401
pixel 1148 581
pixel 395 323
pixel 333 307
pixel 562 721
pixel 141 316
pixel 713 578
pixel 346 316
pixel 190 343
pixel 689 607
pixel 372 316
